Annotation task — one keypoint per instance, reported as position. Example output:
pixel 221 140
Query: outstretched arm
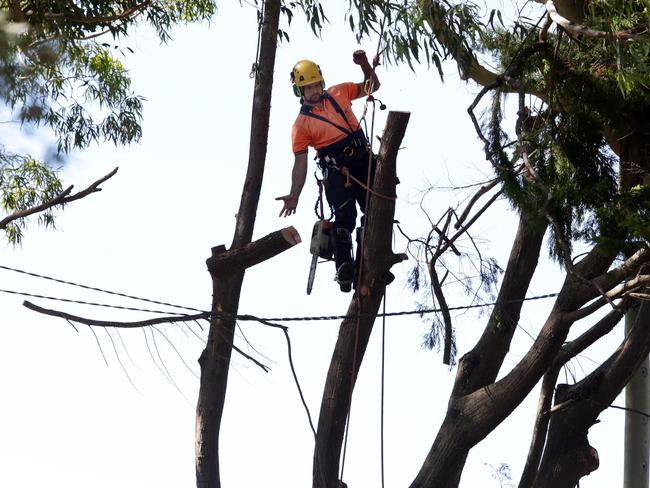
pixel 370 82
pixel 298 176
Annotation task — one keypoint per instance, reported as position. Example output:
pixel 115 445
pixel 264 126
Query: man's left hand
pixel 359 57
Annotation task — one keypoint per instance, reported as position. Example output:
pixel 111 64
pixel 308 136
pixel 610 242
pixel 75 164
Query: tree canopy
pixel 61 68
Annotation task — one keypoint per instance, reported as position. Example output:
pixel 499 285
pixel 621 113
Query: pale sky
pixel 68 419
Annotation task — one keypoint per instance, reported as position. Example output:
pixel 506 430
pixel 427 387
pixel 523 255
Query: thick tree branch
pixel 61 199
pixel 568 455
pixel 616 292
pixel 499 399
pixel 453 43
pixel 254 252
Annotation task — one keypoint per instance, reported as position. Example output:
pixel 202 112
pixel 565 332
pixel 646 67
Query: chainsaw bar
pixel 312 273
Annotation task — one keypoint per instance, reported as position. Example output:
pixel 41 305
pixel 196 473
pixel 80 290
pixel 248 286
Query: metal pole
pixel 637 393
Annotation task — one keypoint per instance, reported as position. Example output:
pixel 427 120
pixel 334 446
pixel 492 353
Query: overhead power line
pixel 57 280
pixel 82 302
pixel 248 317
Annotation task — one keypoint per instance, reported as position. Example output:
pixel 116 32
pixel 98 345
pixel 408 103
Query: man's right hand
pixel 290 204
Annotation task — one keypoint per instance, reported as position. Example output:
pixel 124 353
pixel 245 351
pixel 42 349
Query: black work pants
pixel 344 200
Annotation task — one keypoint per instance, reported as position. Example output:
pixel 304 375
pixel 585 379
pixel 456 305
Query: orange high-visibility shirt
pixel 308 131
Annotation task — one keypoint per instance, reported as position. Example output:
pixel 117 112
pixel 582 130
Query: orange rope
pixel 349 177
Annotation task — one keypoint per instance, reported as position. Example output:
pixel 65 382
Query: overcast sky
pixel 107 409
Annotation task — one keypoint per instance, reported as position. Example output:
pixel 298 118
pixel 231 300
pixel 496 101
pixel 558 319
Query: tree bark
pixel 472 415
pixel 568 455
pixel 482 364
pixel 354 332
pixel 215 359
pixel 255 252
pixel 568 351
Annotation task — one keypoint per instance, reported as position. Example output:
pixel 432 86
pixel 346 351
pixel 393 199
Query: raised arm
pixel 370 82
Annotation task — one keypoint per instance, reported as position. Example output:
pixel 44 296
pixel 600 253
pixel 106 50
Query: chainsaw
pixel 320 247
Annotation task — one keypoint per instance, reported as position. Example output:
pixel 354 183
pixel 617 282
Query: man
pixel 326 122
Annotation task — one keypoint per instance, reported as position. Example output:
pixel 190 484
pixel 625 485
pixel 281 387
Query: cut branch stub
pixel 254 252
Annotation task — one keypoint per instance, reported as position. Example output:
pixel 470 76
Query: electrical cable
pixel 253 318
pixel 132 297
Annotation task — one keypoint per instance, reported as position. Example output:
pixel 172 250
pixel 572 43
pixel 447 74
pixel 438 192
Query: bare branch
pixel 94 187
pixel 61 199
pixel 252 253
pixel 121 325
pixel 614 293
pixel 262 366
pixel 465 228
pixel 481 191
pixel 440 296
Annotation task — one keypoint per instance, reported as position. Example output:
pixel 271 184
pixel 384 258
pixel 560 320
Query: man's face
pixel 313 92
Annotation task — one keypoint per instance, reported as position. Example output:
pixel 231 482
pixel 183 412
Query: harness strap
pixel 306 110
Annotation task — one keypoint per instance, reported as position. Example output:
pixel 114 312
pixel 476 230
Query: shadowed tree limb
pixel 479 193
pixel 567 454
pixel 568 351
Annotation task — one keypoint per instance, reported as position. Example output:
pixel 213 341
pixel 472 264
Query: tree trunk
pixel 568 455
pixel 482 364
pixel 446 459
pixel 355 330
pixel 215 359
pixel 472 415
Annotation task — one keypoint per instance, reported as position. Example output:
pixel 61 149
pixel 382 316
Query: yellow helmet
pixel 305 72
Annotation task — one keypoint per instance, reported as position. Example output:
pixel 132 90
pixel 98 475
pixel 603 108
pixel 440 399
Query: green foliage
pixel 312 9
pixel 627 61
pixel 591 85
pixel 594 89
pixel 25 183
pixel 419 31
pixel 60 68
